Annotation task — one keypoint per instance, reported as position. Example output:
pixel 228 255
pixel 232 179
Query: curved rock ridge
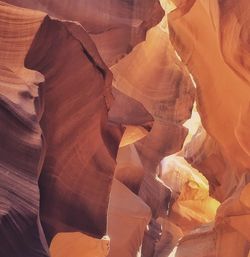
pixel 78 170
pixel 115 26
pixel 129 169
pixel 21 143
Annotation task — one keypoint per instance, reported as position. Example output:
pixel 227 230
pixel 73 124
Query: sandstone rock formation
pixel 94 164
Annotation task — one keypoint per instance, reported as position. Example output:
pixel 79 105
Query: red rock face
pixel 81 105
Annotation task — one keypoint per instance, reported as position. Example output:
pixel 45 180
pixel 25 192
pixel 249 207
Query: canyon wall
pixel 102 149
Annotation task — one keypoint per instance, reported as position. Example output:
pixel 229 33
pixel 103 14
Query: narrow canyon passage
pixel 124 128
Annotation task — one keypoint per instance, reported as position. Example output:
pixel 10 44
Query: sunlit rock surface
pixel 195 42
pixel 217 55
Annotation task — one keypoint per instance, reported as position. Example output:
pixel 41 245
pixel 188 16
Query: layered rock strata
pixel 115 26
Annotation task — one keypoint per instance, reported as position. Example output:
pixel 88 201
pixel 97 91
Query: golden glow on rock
pixel 194 206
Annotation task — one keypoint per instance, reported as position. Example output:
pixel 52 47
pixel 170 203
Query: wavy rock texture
pixel 193 41
pixel 234 28
pixel 21 144
pixel 221 33
pixel 115 26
